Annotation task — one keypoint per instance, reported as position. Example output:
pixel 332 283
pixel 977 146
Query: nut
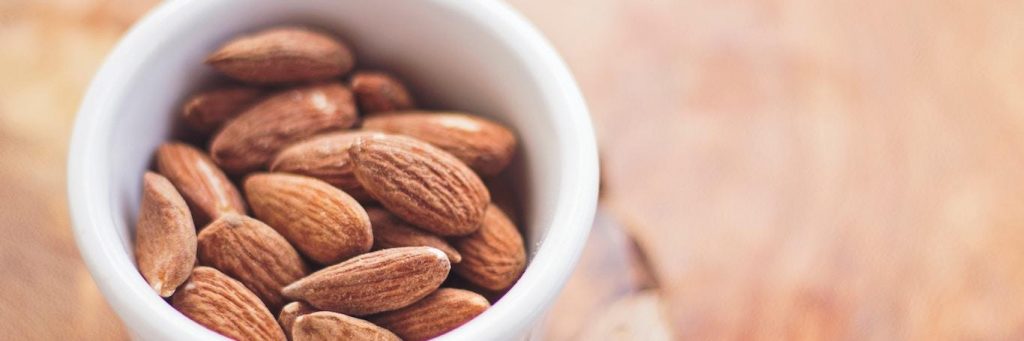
pixel 225 306
pixel 204 186
pixel 324 157
pixel 434 315
pixel 378 91
pixel 323 223
pixel 327 325
pixel 504 195
pixel 207 111
pixel 493 257
pixel 374 282
pixel 485 146
pixel 421 184
pixel 283 55
pixel 248 142
pixel 290 312
pixel 165 237
pixel 390 232
pixel 253 253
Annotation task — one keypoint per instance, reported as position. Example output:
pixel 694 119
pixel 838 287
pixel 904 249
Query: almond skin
pixel 290 312
pixel 208 110
pixel 485 146
pixel 420 183
pixel 493 257
pixel 252 139
pixel 283 55
pixel 374 282
pixel 324 157
pixel 225 306
pixel 253 253
pixel 458 282
pixel 208 192
pixel 434 315
pixel 327 326
pixel 504 195
pixel 323 223
pixel 390 232
pixel 378 91
pixel 165 237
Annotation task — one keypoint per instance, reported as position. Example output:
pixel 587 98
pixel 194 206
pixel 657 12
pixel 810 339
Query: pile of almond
pixel 326 199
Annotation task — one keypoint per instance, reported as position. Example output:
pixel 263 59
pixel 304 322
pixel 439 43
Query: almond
pixel 504 194
pixel 290 312
pixel 485 146
pixel 434 315
pixel 421 184
pixel 327 325
pixel 323 223
pixel 253 253
pixel 378 91
pixel 324 157
pixel 165 237
pixel 390 232
pixel 374 282
pixel 251 140
pixel 225 306
pixel 283 55
pixel 206 189
pixel 458 282
pixel 207 111
pixel 493 257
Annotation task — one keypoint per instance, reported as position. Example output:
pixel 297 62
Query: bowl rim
pixel 144 312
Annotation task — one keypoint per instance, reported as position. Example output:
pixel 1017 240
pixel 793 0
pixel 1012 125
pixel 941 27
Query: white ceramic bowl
pixel 477 56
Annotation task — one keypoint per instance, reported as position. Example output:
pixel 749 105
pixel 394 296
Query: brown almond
pixel 374 282
pixel 283 55
pixel 494 257
pixel 421 184
pixel 165 237
pixel 206 111
pixel 323 223
pixel 251 140
pixel 324 157
pixel 434 315
pixel 485 146
pixel 504 194
pixel 390 232
pixel 290 312
pixel 253 253
pixel 378 91
pixel 208 192
pixel 326 326
pixel 225 306
pixel 458 282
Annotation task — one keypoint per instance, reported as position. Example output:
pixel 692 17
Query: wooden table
pixel 790 168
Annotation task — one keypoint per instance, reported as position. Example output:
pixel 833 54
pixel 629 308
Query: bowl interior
pixel 455 56
pixel 449 64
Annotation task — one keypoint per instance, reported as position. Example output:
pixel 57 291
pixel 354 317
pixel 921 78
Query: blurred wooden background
pixel 793 169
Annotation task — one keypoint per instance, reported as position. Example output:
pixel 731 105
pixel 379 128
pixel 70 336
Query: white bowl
pixel 477 56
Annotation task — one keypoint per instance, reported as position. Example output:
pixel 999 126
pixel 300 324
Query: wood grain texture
pixel 793 168
pixel 51 50
pixel 813 170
